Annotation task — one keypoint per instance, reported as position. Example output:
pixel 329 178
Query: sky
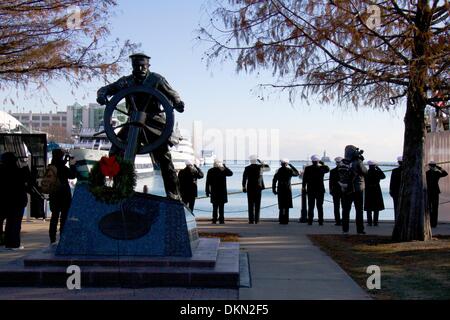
pixel 224 100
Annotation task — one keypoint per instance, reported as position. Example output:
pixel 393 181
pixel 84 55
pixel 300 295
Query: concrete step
pixel 224 274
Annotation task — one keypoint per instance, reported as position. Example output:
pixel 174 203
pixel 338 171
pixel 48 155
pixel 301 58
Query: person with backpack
pixel 335 191
pixel 373 200
pixel 312 184
pixel 281 186
pixel 14 186
pixel 351 179
pixel 433 175
pixel 59 190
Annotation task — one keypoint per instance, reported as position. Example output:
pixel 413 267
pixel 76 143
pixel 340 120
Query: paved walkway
pixel 284 265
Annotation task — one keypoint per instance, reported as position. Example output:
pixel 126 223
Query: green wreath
pixel 124 180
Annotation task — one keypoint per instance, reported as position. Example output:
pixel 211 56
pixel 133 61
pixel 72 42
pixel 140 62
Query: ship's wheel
pixel 140 123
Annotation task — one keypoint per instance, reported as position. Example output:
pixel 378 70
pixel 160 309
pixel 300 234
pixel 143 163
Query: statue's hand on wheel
pixel 179 107
pixel 102 100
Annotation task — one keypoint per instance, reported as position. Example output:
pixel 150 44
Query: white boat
pixel 208 157
pixel 183 151
pixel 89 149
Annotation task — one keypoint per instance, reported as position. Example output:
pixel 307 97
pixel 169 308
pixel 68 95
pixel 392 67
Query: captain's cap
pixel 139 56
pixel 286 161
pixel 372 163
pixel 400 159
pixel 338 159
pixel 188 163
pixel 432 162
pixel 315 158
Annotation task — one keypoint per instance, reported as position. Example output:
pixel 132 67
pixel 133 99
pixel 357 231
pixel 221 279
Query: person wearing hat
pixel 434 174
pixel 14 186
pixel 281 186
pixel 373 197
pixel 253 184
pixel 394 185
pixel 142 76
pixel 61 199
pixel 335 191
pixel 352 172
pixel 216 188
pixel 313 185
pixel 188 183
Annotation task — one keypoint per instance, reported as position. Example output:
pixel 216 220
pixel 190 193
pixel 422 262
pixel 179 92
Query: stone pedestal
pixel 144 241
pixel 144 225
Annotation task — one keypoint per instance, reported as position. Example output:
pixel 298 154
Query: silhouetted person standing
pixel 216 188
pixel 61 200
pixel 313 186
pixel 351 178
pixel 434 174
pixel 188 183
pixel 373 201
pixel 335 191
pixel 394 185
pixel 253 184
pixel 14 186
pixel 281 186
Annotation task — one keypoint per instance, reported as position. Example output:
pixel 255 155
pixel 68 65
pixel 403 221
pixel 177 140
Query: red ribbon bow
pixel 109 166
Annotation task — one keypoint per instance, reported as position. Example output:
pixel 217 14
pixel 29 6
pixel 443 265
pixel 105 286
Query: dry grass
pixel 410 270
pixel 224 236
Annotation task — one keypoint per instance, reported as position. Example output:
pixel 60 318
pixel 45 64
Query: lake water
pixel 237 203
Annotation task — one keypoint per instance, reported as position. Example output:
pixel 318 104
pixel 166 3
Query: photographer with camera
pixel 60 195
pixel 351 173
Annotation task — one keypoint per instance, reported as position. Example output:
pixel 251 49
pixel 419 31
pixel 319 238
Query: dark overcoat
pixel 252 179
pixel 313 178
pixel 14 186
pixel 188 181
pixel 216 184
pixel 62 198
pixel 433 176
pixel 373 197
pixel 333 183
pixel 281 184
pixel 394 186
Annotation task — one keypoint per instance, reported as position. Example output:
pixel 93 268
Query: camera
pixel 359 154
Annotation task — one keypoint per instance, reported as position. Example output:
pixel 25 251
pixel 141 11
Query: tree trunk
pixel 413 222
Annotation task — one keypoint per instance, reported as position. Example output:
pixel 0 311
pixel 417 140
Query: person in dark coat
pixel 216 188
pixel 373 200
pixel 335 191
pixel 14 186
pixel 188 183
pixel 61 200
pixel 394 185
pixel 354 189
pixel 434 174
pixel 253 184
pixel 281 186
pixel 312 184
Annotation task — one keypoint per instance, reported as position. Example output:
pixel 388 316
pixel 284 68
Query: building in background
pixel 68 123
pixel 41 121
